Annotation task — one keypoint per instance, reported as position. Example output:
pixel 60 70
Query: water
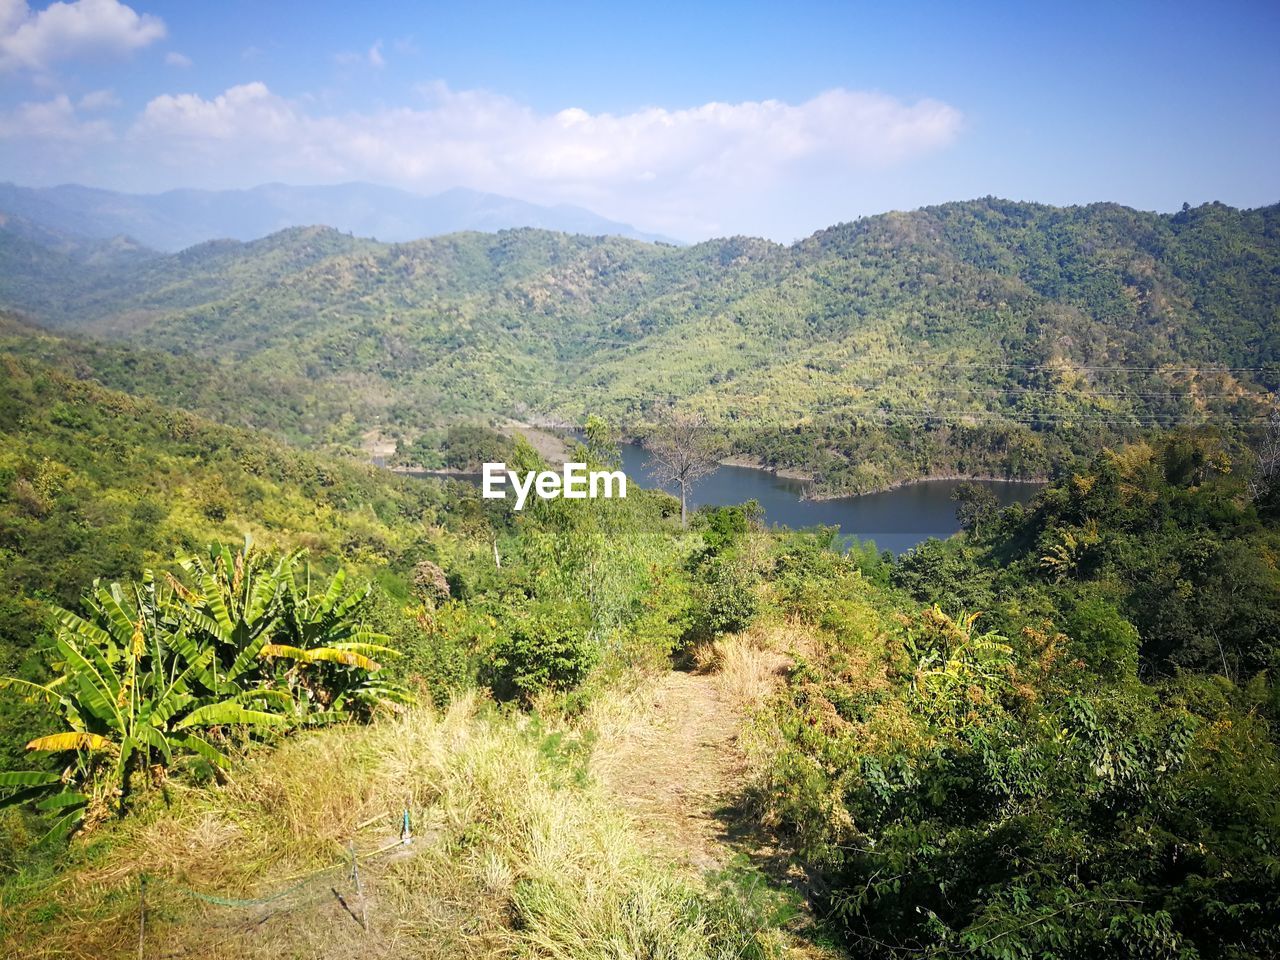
pixel 896 519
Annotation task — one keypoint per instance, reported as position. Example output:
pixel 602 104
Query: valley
pixel 981 338
pixel 1028 716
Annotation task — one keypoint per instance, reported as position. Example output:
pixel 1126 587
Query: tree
pixel 601 442
pixel 975 505
pixel 1268 452
pixel 683 451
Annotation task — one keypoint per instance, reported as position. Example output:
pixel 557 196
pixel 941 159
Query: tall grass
pixel 516 854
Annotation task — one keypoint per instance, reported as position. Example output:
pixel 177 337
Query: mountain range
pixel 986 336
pixel 177 219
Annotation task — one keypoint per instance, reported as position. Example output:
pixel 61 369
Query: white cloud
pixel 673 170
pixel 175 59
pixel 33 40
pixel 98 100
pixel 54 121
pixel 757 166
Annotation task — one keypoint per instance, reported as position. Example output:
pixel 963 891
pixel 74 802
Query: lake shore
pixel 751 463
pixel 934 478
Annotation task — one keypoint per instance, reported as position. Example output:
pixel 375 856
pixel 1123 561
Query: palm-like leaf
pixel 146 670
pixel 74 740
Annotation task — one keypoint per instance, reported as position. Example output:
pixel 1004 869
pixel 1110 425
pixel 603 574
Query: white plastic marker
pixel 576 482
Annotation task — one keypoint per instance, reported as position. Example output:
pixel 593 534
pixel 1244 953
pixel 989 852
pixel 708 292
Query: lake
pixel 895 519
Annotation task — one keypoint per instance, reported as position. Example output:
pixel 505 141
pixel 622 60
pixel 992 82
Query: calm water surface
pixel 895 520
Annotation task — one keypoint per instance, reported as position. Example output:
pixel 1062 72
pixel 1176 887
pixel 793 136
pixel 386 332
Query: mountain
pixel 178 219
pixel 978 337
pixel 1054 735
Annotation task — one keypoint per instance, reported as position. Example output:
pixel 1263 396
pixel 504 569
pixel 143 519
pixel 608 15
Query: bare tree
pixel 683 449
pixel 1268 469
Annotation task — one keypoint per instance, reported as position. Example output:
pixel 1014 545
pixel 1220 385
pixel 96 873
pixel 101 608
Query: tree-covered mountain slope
pixel 95 483
pixel 985 336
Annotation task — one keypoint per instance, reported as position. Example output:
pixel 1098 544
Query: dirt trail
pixel 677 765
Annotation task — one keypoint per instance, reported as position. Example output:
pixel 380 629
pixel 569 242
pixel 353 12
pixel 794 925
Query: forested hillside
pixel 977 337
pixel 96 483
pixel 1055 736
pixel 1052 736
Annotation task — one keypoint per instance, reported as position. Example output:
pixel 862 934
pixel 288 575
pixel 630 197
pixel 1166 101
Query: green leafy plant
pixel 547 649
pixel 163 669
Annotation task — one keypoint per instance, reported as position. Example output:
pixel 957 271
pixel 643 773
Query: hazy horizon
pixel 690 123
pixel 634 232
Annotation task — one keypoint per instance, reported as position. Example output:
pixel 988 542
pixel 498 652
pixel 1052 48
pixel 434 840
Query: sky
pixel 690 120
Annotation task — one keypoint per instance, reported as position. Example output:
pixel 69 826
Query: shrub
pixel 723 528
pixel 810 574
pixel 726 598
pixel 430 582
pixel 1104 639
pixel 547 649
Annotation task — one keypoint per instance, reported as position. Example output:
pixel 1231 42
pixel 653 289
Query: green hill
pixel 985 336
pixel 95 483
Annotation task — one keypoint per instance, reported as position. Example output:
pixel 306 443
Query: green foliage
pixel 128 487
pixel 806 567
pixel 959 789
pixel 726 597
pixel 1165 531
pixel 984 337
pixel 546 648
pixel 465 448
pixel 975 506
pixel 1103 638
pixel 724 528
pixel 165 669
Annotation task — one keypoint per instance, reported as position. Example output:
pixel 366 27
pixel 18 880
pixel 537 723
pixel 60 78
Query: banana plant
pixel 132 690
pixel 166 667
pixel 277 630
pixel 957 668
pixel 325 630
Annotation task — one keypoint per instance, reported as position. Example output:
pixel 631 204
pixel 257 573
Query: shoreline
pixel 785 473
pixel 899 484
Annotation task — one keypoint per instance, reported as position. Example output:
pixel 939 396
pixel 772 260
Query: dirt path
pixel 677 764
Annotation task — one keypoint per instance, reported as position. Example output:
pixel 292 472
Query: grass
pixel 517 854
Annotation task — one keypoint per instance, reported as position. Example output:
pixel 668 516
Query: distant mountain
pixel 181 218
pixel 971 338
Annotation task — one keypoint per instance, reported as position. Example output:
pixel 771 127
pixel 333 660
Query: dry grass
pixel 514 856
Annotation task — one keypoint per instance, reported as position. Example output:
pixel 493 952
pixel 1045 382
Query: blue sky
pixel 764 119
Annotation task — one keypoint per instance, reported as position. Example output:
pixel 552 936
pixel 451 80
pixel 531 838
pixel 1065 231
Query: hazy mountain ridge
pixel 178 219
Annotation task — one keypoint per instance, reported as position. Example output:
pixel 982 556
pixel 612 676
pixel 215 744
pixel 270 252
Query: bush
pixel 726 600
pixel 1104 639
pixel 547 649
pixel 724 528
pixel 810 574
